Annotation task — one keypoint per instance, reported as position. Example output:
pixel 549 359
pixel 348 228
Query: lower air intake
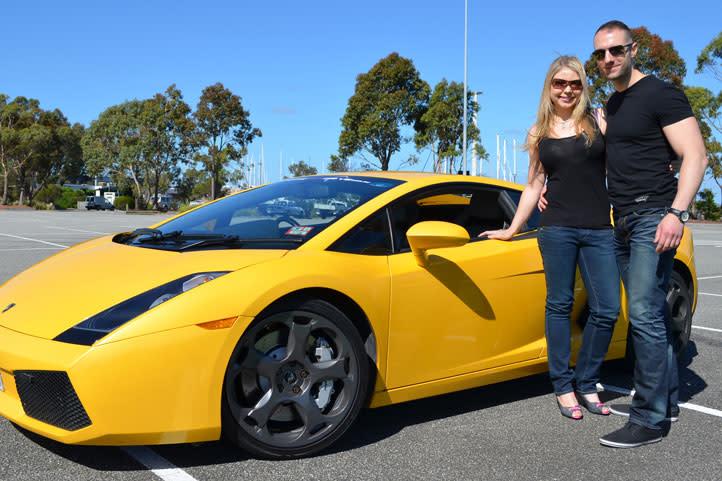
pixel 48 396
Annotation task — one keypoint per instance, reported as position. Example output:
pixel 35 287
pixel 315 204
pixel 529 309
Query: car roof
pixel 424 177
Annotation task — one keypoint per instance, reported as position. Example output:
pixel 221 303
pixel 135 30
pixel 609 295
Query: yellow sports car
pixel 274 315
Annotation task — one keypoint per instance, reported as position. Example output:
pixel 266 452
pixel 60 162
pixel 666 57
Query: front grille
pixel 48 396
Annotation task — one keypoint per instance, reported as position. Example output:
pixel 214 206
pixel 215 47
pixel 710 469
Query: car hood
pixel 59 292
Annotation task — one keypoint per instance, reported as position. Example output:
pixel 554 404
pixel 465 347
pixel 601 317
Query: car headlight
pixel 94 327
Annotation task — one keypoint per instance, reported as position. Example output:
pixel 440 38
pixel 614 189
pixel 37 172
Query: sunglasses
pixel 560 84
pixel 616 51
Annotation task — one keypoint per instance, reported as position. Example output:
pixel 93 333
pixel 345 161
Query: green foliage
pixel 707 107
pixel 166 126
pixel 441 126
pixel 38 205
pixel 300 168
pixel 124 202
pixel 710 59
pixel 113 143
pixel 388 96
pixel 69 198
pixel 194 184
pixel 338 164
pixel 49 193
pixel 223 130
pixel 654 57
pixel 36 147
pixel 706 207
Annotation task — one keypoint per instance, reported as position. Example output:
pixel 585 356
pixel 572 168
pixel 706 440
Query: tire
pixel 679 303
pixel 295 382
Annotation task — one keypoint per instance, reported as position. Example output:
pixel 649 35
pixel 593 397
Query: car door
pixel 474 307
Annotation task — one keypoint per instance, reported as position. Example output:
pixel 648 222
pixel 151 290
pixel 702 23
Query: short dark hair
pixel 615 24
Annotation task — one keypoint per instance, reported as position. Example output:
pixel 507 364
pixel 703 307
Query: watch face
pixel 684 216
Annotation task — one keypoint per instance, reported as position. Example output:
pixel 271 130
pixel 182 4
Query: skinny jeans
pixel 645 275
pixel 562 249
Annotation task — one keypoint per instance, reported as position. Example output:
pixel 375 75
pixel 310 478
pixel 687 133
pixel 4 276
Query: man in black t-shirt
pixel 649 124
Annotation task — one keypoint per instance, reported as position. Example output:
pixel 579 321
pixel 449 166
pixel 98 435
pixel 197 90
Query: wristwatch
pixel 682 214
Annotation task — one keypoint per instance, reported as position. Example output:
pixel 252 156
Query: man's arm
pixel 686 140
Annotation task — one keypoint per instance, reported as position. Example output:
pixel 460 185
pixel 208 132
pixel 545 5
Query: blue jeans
pixel 645 275
pixel 562 248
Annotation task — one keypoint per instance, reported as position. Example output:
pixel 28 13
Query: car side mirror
pixel 434 235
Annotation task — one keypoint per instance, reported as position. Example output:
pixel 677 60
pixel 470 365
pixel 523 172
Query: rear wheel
pixel 679 302
pixel 295 382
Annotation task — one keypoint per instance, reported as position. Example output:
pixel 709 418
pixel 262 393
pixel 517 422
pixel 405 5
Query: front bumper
pixel 157 389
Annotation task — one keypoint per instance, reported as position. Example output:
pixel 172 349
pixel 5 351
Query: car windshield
pixel 281 215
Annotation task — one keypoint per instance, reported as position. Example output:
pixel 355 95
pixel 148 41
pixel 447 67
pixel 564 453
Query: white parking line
pixel 35 240
pixel 30 249
pixel 708 277
pixel 707 328
pixel 708 294
pixel 78 230
pixel 160 466
pixel 690 406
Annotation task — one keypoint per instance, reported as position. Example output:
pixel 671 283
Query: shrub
pixel 707 206
pixel 49 194
pixel 38 205
pixel 124 202
pixel 69 198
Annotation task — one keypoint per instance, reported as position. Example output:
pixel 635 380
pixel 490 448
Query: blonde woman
pixel 566 151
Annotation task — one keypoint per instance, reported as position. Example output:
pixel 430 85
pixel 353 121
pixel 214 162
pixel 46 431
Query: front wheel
pixel 295 382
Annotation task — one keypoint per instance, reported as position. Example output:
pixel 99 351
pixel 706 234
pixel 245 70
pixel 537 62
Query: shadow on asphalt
pixel 373 425
pixel 619 373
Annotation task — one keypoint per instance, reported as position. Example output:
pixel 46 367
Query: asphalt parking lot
pixel 506 431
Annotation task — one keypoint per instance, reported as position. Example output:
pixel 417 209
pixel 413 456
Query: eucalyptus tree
pixel 58 154
pixel 297 169
pixel 707 106
pixel 165 126
pixel 223 132
pixel 113 143
pixel 21 138
pixel 441 126
pixel 387 97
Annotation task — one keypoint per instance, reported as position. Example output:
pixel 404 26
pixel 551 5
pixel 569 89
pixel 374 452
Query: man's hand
pixel 669 233
pixel 542 204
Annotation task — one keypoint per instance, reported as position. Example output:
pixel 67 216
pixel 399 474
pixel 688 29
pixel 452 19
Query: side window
pixel 476 208
pixel 370 237
pixel 533 222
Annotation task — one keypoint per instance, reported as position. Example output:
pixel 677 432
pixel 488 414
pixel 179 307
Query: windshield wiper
pixel 235 241
pixel 155 235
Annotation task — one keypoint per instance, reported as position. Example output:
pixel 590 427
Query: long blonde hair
pixel 583 122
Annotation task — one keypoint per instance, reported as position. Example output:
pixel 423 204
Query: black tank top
pixel 576 189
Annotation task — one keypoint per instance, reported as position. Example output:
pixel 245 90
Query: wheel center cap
pixel 291 378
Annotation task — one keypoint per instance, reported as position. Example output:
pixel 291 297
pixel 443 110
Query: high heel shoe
pixel 592 407
pixel 568 412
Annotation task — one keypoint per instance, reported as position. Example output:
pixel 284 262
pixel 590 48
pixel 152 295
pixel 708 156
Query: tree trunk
pixel 4 199
pixel 138 193
pixel 6 173
pixel 214 179
pixel 21 186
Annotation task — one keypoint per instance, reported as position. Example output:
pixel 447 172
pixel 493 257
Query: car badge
pixel 8 308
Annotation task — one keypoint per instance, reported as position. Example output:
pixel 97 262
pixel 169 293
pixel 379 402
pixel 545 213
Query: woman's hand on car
pixel 500 234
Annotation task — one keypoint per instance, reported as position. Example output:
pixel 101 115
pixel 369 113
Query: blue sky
pixel 295 63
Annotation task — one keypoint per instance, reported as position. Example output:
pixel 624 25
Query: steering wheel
pixel 287 219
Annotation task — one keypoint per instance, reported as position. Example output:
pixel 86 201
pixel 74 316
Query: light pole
pixel 466 58
pixel 473 142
